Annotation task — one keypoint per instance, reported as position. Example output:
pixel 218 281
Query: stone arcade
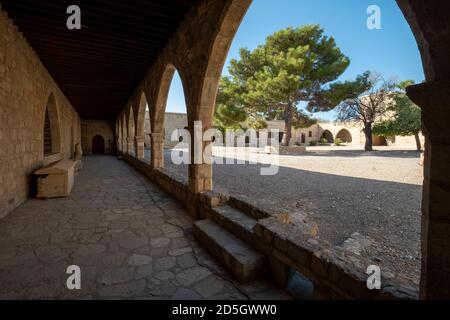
pixel 50 87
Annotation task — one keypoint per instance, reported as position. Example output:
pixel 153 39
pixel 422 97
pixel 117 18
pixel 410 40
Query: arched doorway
pixel 98 145
pixel 327 136
pixel 379 141
pixel 345 136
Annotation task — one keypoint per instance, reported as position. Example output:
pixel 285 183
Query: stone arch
pixel 124 134
pixel 131 131
pixel 429 23
pixel 140 114
pixel 139 108
pixel 119 135
pixel 51 130
pixel 204 99
pixel 159 109
pixel 229 23
pixel 328 135
pixel 345 136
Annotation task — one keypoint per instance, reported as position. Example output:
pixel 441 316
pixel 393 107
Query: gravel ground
pixel 342 190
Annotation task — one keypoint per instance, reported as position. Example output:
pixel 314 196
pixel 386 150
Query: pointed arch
pixel 119 135
pixel 124 134
pixel 229 24
pixel 345 136
pixel 140 116
pixel 158 111
pixel 131 126
pixel 51 130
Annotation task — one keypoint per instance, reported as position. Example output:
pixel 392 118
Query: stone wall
pixel 92 128
pixel 26 88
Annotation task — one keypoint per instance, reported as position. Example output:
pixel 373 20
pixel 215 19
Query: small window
pixel 310 134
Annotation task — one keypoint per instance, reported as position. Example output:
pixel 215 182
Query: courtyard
pixel 343 191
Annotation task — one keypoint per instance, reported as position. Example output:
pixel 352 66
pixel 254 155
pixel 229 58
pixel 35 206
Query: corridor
pixel 130 240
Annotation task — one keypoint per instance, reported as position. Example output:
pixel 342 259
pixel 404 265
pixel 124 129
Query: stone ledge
pixel 335 272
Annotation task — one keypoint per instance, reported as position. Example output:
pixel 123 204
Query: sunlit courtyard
pixel 342 190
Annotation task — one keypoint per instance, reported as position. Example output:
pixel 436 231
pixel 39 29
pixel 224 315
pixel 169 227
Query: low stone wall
pixel 335 272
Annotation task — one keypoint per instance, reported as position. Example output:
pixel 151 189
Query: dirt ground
pixel 343 190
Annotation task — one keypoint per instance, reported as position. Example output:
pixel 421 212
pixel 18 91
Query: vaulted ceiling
pixel 98 67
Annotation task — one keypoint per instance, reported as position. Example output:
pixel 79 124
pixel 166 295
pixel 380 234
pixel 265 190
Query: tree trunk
pixel 287 126
pixel 369 140
pixel 418 143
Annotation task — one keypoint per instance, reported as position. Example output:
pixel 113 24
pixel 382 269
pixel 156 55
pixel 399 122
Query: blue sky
pixel 392 51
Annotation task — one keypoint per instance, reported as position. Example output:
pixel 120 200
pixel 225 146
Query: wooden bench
pixel 56 180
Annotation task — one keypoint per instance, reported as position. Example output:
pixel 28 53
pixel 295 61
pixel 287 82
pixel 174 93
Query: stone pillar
pixel 157 150
pixel 434 99
pixel 119 145
pixel 200 173
pixel 130 147
pixel 140 147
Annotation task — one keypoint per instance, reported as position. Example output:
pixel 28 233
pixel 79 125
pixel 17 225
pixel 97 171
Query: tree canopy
pixel 406 121
pixel 365 100
pixel 294 65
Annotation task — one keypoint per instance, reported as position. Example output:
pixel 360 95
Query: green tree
pixel 294 65
pixel 407 119
pixel 230 112
pixel 365 100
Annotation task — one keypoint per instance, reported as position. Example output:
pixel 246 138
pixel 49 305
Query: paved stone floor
pixel 343 190
pixel 130 240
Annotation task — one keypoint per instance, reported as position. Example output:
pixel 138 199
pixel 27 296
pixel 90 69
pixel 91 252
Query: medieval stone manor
pixel 55 81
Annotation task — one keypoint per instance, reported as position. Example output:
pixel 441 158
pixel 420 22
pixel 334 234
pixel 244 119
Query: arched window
pixel 51 130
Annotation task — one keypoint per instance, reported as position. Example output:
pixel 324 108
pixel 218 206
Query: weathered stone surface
pixel 41 238
pixel 239 258
pixel 138 260
pixel 357 243
pixel 26 89
pixel 186 294
pixel 117 275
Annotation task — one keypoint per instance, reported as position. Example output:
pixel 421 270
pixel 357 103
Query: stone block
pixel 56 180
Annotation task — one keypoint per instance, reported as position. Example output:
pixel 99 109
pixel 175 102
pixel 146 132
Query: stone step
pixel 236 222
pixel 247 208
pixel 245 263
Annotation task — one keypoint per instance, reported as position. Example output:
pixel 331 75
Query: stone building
pixel 350 133
pixel 52 79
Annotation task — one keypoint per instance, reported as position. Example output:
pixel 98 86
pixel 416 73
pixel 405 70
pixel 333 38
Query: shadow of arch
pixel 345 136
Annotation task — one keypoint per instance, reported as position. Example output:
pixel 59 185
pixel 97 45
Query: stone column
pixel 130 146
pixel 434 99
pixel 119 146
pixel 157 150
pixel 200 173
pixel 140 147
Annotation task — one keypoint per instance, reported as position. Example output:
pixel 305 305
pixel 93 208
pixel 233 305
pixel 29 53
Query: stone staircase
pixel 228 235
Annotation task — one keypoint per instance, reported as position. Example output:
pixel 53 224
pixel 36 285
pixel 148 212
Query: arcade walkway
pixel 130 240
